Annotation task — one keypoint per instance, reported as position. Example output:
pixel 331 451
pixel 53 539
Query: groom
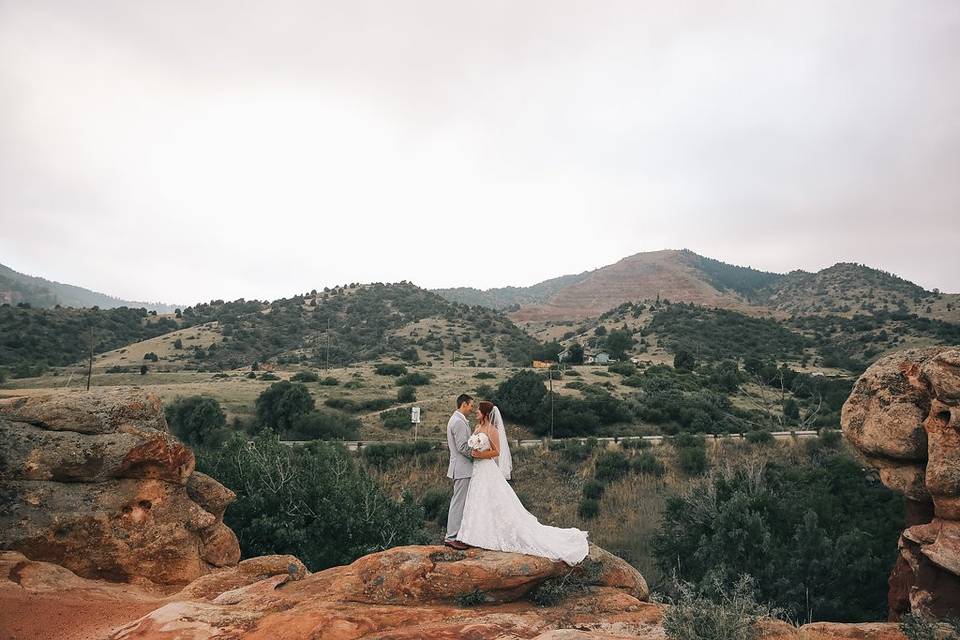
pixel 461 467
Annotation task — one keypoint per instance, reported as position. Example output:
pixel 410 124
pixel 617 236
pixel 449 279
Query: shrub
pixel 387 454
pixel 389 369
pixel 625 369
pixel 552 591
pixel 143 369
pixel 576 451
pixel 269 376
pixel 692 460
pixel 635 443
pixel 407 393
pixel 724 614
pixel 303 501
pixel 279 406
pixel 151 356
pixel 436 503
pixel 323 424
pixel 329 381
pixel 684 440
pixel 647 463
pixel 196 420
pixel 759 437
pixel 917 626
pixel 819 539
pixel 471 598
pixel 252 375
pixel 304 376
pixel 520 396
pixel 611 465
pixel 588 508
pixel 397 419
pixel 593 489
pixel 484 375
pixel 415 379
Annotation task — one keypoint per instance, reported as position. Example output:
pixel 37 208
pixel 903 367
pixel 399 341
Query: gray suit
pixel 459 470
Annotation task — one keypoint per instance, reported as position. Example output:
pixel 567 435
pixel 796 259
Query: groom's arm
pixel 461 434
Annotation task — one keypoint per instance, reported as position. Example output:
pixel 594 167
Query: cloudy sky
pixel 183 151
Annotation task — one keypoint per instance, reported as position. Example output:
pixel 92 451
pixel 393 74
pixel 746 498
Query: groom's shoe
pixel 453 543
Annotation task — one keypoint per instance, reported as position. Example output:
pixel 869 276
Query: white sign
pixel 415 415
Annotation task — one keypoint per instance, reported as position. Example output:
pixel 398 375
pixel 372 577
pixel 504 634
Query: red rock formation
pixel 904 416
pixel 96 483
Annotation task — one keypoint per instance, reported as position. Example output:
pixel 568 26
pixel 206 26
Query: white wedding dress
pixel 494 518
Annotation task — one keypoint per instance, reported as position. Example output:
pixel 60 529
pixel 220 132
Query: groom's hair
pixel 462 399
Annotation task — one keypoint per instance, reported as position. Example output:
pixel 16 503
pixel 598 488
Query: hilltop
pixel 19 288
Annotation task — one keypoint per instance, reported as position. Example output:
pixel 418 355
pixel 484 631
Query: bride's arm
pixel 494 449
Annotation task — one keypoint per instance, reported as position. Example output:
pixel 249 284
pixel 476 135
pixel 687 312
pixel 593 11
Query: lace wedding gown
pixel 494 518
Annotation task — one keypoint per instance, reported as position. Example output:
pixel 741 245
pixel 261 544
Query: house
pixel 601 358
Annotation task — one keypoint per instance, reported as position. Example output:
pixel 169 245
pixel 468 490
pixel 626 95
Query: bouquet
pixel 479 442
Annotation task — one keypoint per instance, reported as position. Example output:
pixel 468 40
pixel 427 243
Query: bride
pixel 493 517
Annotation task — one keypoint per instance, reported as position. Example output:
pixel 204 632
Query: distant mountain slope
pixel 16 287
pixel 684 276
pixel 506 297
pixel 677 275
pixel 843 288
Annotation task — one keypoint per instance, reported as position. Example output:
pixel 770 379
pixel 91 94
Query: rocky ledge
pixel 398 594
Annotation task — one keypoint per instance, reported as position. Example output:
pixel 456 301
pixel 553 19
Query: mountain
pixel 16 288
pixel 676 275
pixel 684 276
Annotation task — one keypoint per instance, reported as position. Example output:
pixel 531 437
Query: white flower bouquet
pixel 479 442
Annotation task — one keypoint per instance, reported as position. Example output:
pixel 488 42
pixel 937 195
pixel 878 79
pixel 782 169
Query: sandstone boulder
pixel 904 416
pixel 96 483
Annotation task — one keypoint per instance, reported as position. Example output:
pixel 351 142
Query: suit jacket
pixel 461 458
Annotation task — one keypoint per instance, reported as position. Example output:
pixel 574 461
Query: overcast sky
pixel 183 151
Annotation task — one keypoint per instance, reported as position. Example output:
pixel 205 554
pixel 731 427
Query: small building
pixel 602 358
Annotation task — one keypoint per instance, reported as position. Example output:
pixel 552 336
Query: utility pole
pixel 550 376
pixel 328 343
pixel 90 361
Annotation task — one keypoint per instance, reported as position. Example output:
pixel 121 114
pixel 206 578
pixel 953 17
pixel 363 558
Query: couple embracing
pixel 484 511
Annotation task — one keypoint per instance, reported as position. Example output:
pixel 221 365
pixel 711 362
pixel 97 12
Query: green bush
pixel 304 376
pixel 196 420
pixel 647 463
pixel 436 503
pixel 329 381
pixel 389 369
pixel 484 375
pixel 415 379
pixel 473 598
pixel 407 394
pixel 593 489
pixel 387 454
pixel 520 396
pixel 635 443
pixel 692 460
pixel 588 508
pixel 323 424
pixel 759 437
pixel 151 356
pixel 575 451
pixel 303 501
pixel 553 591
pixel 917 626
pixel 610 466
pixel 269 376
pixel 721 614
pixel 820 539
pixel 397 418
pixel 279 406
pixel 685 440
pixel 626 369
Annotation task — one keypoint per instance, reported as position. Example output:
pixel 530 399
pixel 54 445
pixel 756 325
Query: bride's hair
pixel 485 409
